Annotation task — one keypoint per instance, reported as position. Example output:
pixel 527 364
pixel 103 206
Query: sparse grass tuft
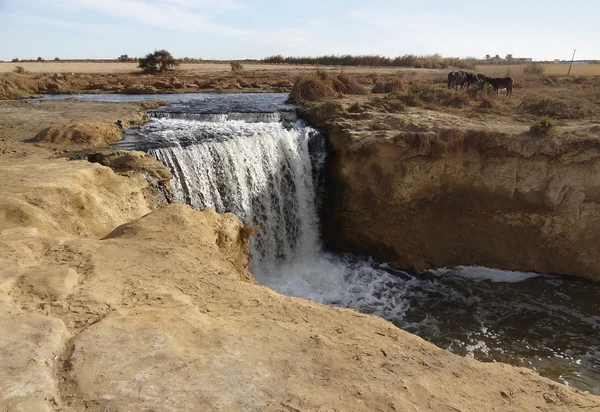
pixel 237 67
pixel 544 126
pixel 534 68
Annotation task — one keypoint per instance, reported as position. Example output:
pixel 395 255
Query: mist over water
pixel 268 172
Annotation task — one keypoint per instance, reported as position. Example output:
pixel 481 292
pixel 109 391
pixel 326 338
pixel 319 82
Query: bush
pixel 39 59
pixel 20 70
pixel 237 67
pixel 123 58
pixel 56 59
pixel 159 61
pixel 544 126
pixel 534 68
pixel 15 60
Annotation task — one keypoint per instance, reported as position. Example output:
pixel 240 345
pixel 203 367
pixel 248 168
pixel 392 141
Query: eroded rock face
pixel 508 202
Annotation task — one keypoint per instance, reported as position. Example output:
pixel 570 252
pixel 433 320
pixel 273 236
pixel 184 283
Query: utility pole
pixel 571 65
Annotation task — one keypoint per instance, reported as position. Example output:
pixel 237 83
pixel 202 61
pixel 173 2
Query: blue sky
pixel 237 29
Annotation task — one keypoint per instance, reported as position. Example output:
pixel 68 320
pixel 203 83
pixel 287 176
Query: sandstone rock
pixel 140 89
pixel 436 198
pixel 83 133
pixel 29 346
pixel 50 284
pixel 153 104
pixel 123 161
pixel 163 85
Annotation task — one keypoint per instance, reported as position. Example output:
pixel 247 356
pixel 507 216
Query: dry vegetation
pixel 320 85
pixel 548 69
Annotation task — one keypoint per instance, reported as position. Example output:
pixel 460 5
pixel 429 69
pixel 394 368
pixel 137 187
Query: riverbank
pixel 105 286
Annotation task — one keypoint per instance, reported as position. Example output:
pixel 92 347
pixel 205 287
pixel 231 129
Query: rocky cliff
pixel 425 190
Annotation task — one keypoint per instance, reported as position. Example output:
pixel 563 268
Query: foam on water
pixel 483 273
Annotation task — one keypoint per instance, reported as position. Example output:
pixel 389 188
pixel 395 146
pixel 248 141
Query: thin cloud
pixel 85 27
pixel 174 17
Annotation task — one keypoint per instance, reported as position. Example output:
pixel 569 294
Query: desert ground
pixel 112 299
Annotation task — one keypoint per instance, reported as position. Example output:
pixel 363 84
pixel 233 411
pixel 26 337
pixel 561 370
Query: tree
pixel 509 58
pixel 488 57
pixel 159 61
pixel 123 58
pixel 40 59
pixel 56 59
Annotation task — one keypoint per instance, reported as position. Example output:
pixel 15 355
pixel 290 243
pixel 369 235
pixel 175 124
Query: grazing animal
pixel 461 79
pixel 502 83
pixel 481 77
pixel 451 79
pixel 470 79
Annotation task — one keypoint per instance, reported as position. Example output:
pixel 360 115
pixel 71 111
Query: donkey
pixel 502 83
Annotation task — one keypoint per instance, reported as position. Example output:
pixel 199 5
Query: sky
pixel 240 29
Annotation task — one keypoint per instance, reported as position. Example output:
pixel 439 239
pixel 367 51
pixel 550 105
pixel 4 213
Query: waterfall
pixel 252 117
pixel 265 173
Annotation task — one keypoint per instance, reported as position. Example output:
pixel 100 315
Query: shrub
pixel 544 126
pixel 159 61
pixel 15 60
pixel 534 68
pixel 20 70
pixel 56 59
pixel 237 67
pixel 39 59
pixel 123 58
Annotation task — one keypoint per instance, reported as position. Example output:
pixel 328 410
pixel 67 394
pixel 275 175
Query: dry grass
pixel 555 108
pixel 451 140
pixel 321 85
pixel 389 86
pixel 549 69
